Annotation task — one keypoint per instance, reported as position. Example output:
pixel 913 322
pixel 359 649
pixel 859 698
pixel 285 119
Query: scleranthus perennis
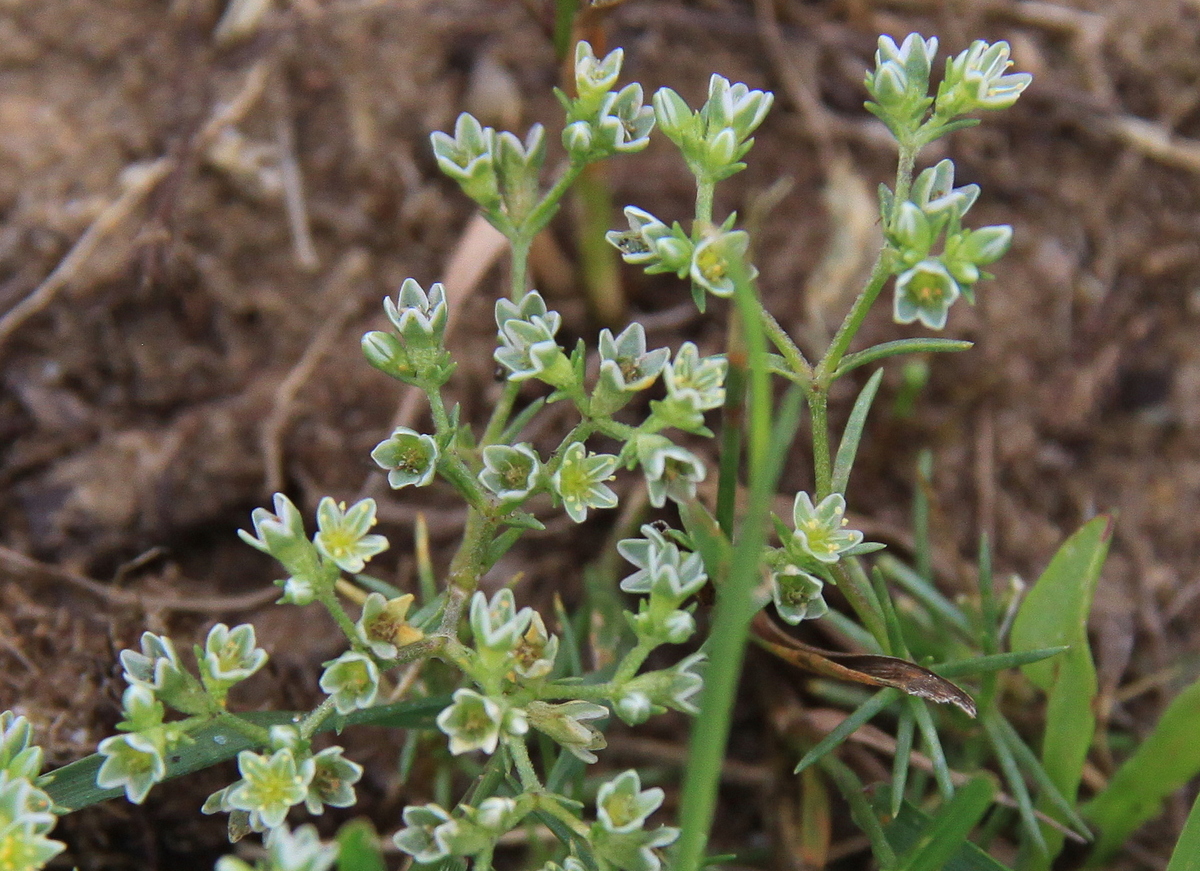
pixel 590 431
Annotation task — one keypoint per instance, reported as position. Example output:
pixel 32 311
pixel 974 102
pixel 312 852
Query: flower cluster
pixel 602 122
pixel 927 284
pixel 342 541
pixel 619 836
pixel 818 540
pixel 137 760
pixel 25 810
pixel 714 138
pixel 414 352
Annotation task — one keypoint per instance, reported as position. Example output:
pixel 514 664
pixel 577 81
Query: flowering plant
pixel 516 681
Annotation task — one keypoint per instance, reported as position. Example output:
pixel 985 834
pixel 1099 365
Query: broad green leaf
pixel 1055 609
pixel 1054 612
pixel 1165 761
pixel 358 847
pixel 1187 849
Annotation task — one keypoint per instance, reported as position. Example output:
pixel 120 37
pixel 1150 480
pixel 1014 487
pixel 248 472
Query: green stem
pixel 257 734
pixel 319 715
pixel 501 413
pixel 856 587
pixel 704 202
pixel 786 347
pixel 520 755
pixel 818 409
pixel 520 267
pixel 468 563
pixel 335 609
pixel 880 273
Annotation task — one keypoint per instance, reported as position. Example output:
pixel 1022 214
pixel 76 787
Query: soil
pixel 196 226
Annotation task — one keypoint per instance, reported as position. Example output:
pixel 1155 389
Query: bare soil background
pixel 194 236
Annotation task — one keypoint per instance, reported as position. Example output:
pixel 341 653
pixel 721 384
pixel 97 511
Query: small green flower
pixel 353 681
pixel 623 125
pixel 419 317
pixel 468 159
pixel 282 536
pixel 714 139
pixel 479 827
pixel 566 724
pixel 301 850
pixel 231 655
pixel 409 456
pixel 655 691
pixel 623 806
pixel 925 293
pixel 619 835
pixel 579 481
pixel 420 837
pixel 819 532
pixel 797 595
pixel 593 78
pixel 712 258
pixel 512 472
pixel 672 472
pixel 472 722
pixel 132 762
pixel 270 785
pixel 533 657
pixel 528 349
pixel 333 781
pixel 899 84
pixel 625 368
pixel 934 193
pixel 23 805
pixel 650 243
pixel 975 79
pixel 342 536
pixel 498 625
pixel 663 569
pixel 24 824
pixel 156 667
pixel 19 756
pixel 518 165
pixel 697 381
pixel 383 625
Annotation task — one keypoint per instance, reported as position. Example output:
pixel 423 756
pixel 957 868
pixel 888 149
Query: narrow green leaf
pixel 1016 783
pixel 904 739
pixel 846 728
pixel 848 449
pixel 951 827
pixel 1029 763
pixel 996 662
pixel 1165 761
pixel 1186 856
pixel 853 790
pixel 74 786
pixel 933 745
pixel 904 830
pixel 900 346
pixel 359 848
pixel 927 595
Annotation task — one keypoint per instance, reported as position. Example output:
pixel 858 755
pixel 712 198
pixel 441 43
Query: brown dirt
pixel 162 302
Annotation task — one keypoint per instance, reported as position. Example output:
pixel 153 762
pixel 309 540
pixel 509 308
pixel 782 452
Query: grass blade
pixel 952 826
pixel 846 728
